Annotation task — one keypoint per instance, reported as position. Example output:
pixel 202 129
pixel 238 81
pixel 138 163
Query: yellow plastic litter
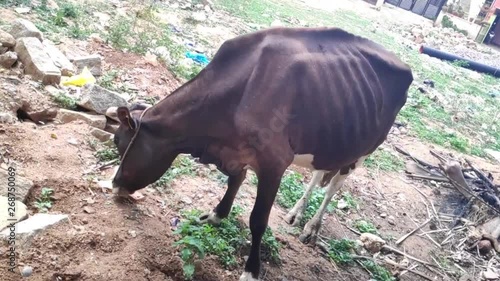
pixel 81 79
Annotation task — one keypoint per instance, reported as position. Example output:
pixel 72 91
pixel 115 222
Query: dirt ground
pixel 101 246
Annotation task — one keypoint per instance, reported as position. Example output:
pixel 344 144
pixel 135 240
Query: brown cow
pixel 321 98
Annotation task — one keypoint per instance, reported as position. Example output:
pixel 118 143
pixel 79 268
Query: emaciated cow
pixel 321 98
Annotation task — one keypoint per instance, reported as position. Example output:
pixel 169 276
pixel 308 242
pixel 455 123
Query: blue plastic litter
pixel 197 57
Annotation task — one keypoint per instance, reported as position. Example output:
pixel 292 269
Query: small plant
pixel 365 227
pixel 384 160
pixel 198 240
pixel 379 273
pixel 340 251
pixel 44 202
pixel 270 247
pixel 65 101
pixel 292 189
pixel 107 154
pixel 108 78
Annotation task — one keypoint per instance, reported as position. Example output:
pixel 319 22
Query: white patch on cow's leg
pixel 295 214
pixel 304 160
pixel 211 218
pixel 247 276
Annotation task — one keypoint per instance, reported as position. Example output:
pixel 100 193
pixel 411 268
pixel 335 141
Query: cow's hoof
pixel 247 276
pixel 211 218
pixel 310 233
pixel 295 215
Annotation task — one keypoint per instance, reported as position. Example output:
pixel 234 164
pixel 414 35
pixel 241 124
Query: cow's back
pixel 342 92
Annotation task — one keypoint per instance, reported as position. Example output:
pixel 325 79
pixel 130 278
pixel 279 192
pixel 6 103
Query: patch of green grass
pixel 44 202
pixel 364 226
pixel 379 272
pixel 107 154
pixel 270 247
pixel 74 20
pixel 291 190
pixel 198 240
pixel 182 165
pixel 384 160
pixel 107 80
pixel 65 101
pixel 142 33
pixel 10 3
pixel 340 251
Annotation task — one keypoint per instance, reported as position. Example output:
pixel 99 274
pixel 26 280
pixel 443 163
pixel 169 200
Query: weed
pixel 384 160
pixel 270 247
pixel 364 226
pixel 107 154
pixel 15 2
pixel 224 241
pixel 339 251
pixel 379 273
pixel 108 78
pixel 44 202
pixel 65 101
pixel 291 190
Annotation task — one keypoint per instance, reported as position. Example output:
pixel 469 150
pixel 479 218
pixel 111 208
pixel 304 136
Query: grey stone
pixel 372 242
pixel 494 154
pixel 111 113
pixel 27 271
pixel 66 116
pixel 24 28
pixel 8 59
pixel 101 135
pixel 6 39
pixel 22 10
pixel 58 58
pixel 99 99
pixel 23 185
pixel 92 62
pixel 34 225
pixel 7 118
pixel 7 215
pixel 37 62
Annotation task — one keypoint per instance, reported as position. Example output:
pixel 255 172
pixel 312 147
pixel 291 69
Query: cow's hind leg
pixel 311 229
pixel 224 207
pixel 294 216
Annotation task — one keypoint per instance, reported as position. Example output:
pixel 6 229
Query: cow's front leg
pixel 267 187
pixel 224 207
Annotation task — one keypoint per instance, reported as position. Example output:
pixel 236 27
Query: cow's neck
pixel 187 114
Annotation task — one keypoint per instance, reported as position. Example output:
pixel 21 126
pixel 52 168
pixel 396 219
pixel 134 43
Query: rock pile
pixel 448 40
pixel 25 47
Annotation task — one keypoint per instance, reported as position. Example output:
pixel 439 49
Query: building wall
pixel 495 5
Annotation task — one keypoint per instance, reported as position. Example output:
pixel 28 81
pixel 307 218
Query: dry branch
pixel 400 240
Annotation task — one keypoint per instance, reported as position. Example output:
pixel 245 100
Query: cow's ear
pixel 125 118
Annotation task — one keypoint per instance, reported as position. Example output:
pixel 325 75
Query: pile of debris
pixel 448 40
pixel 24 48
pixel 473 230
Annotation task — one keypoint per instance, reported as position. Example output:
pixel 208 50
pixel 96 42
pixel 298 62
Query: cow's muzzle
pixel 119 191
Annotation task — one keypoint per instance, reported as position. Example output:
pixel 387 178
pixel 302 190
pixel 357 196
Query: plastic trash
pixel 197 57
pixel 85 77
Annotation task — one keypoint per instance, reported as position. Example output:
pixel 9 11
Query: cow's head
pixel 144 153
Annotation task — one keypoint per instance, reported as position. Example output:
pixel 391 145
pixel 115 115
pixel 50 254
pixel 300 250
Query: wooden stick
pixel 400 240
pixel 441 179
pixel 421 162
pixel 428 236
pixel 396 251
pixel 388 261
pixel 489 184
